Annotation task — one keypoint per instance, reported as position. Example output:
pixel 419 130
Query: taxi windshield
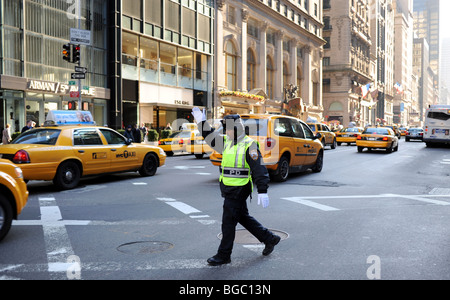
pixel 38 137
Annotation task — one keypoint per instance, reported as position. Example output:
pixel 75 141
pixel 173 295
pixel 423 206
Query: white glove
pixel 264 200
pixel 199 116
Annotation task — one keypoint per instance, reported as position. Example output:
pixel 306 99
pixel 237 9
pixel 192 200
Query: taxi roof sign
pixel 72 117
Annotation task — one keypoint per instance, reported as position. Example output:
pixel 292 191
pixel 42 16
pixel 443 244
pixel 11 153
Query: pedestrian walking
pixel 28 126
pixel 241 166
pixel 6 135
pixel 137 134
pixel 129 133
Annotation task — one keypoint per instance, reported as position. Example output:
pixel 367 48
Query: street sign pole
pixel 79 61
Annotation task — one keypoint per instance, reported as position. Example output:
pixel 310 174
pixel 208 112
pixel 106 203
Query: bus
pixel 437 125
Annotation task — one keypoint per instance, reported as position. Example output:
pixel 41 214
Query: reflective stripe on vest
pixel 235 170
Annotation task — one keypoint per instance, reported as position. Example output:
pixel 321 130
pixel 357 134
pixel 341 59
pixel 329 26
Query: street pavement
pixel 366 216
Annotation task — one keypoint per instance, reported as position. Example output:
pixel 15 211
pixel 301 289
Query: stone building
pixel 271 49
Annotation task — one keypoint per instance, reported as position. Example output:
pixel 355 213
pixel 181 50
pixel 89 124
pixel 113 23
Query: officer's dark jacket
pixel 260 175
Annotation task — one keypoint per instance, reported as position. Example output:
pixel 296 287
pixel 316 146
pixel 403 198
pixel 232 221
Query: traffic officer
pixel 241 165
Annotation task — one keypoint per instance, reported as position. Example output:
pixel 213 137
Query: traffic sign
pixel 78 76
pixel 74 94
pixel 80 36
pixel 72 83
pixel 80 69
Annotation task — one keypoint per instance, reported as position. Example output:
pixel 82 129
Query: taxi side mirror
pixel 318 136
pixel 128 142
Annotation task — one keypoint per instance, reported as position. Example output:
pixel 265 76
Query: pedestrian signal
pixel 72 105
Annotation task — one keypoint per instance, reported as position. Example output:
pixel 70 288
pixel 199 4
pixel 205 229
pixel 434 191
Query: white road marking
pixel 57 242
pixel 311 204
pixel 184 208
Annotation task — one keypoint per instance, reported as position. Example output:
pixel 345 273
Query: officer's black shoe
pixel 271 245
pixel 216 260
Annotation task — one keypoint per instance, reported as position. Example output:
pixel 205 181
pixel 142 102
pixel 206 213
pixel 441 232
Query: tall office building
pixel 34 78
pixel 426 25
pixel 382 31
pixel 348 64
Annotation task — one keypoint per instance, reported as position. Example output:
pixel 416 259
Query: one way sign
pixel 78 76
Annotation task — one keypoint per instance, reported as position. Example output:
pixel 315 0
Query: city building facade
pixel 165 65
pixel 269 57
pixel 34 78
pixel 382 31
pixel 404 107
pixel 348 64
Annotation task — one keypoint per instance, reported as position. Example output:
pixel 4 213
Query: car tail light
pixel 421 133
pixel 180 142
pixel 355 135
pixel 21 157
pixel 270 143
pixel 385 139
pixel 160 143
pixel 359 137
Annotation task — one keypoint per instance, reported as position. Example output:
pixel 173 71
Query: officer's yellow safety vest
pixel 235 170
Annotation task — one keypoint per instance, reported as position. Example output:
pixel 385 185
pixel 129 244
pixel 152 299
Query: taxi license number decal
pixel 101 155
pixel 126 154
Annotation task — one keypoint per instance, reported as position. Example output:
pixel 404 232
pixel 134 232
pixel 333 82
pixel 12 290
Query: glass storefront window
pixel 168 58
pixel 185 63
pixel 130 56
pixel 149 60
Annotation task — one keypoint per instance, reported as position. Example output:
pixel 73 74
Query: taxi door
pixel 311 145
pixel 123 157
pixel 301 146
pixel 88 146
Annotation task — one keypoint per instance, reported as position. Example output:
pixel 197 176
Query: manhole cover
pixel 243 236
pixel 144 247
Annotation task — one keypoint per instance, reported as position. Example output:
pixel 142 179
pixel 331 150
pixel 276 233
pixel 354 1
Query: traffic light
pixel 76 54
pixel 71 105
pixel 66 52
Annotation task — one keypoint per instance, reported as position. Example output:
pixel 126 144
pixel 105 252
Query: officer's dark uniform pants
pixel 236 211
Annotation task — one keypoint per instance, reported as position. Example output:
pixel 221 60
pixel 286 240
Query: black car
pixel 414 134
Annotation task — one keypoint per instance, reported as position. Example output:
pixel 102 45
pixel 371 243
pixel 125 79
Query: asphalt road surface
pixel 366 216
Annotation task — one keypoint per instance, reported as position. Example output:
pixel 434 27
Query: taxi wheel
pixel 149 166
pixel 333 146
pixel 6 216
pixel 68 175
pixel 317 168
pixel 282 171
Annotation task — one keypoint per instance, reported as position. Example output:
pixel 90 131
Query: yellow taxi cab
pixel 176 142
pixel 64 150
pixel 348 135
pixel 328 137
pixel 198 146
pixel 287 145
pixel 377 138
pixel 395 130
pixel 13 195
pixel 403 130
